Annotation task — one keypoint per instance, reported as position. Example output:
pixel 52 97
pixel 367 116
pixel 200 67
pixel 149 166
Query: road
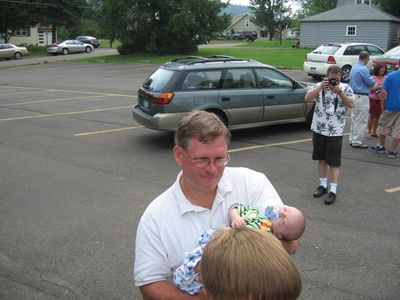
pixel 29 60
pixel 77 173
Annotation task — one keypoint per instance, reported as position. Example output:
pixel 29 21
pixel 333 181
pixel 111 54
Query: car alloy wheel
pixel 346 73
pixel 65 51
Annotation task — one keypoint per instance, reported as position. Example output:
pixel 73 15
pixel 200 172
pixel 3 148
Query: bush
pixel 126 48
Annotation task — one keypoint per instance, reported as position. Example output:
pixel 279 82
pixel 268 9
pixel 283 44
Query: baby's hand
pixel 238 222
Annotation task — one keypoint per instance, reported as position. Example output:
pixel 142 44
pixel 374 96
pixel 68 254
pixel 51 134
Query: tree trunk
pixel 54 32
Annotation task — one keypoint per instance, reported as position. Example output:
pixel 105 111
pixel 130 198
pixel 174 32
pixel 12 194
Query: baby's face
pixel 290 225
pixel 282 226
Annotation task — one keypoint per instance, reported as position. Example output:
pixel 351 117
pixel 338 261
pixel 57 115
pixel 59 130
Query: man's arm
pixel 369 80
pixel 163 290
pixel 312 94
pixel 290 246
pixel 345 98
pixel 383 98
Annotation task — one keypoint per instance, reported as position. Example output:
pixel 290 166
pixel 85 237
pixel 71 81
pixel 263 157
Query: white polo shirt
pixel 171 225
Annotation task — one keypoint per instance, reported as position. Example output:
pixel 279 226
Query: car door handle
pixel 225 98
pixel 270 97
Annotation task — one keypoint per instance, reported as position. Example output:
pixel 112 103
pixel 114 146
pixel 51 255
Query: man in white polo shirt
pixel 198 200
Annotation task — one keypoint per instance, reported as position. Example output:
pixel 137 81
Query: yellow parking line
pixel 393 190
pixel 54 100
pixel 19 93
pixel 268 145
pixel 107 131
pixel 64 114
pixel 65 91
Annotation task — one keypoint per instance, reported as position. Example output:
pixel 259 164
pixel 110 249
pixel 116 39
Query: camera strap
pixel 335 103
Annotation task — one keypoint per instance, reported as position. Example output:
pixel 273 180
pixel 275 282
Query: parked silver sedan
pixel 69 46
pixel 8 51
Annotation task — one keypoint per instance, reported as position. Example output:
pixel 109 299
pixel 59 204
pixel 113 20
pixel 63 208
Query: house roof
pixel 236 19
pixel 355 12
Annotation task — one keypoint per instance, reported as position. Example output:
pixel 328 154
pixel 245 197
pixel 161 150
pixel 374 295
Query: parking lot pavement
pixel 77 173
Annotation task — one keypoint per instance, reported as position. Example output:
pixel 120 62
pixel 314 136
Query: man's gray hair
pixel 202 125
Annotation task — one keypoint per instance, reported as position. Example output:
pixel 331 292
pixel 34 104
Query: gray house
pixel 351 21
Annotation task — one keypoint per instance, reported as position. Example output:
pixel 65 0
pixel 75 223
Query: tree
pixel 162 26
pixel 57 12
pixel 390 6
pixel 269 14
pixel 13 16
pixel 21 14
pixel 313 7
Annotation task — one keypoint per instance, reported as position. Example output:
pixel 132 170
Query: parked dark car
pixel 391 59
pixel 88 40
pixel 248 35
pixel 243 93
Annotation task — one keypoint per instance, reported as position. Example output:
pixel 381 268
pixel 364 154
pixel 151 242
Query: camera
pixel 333 81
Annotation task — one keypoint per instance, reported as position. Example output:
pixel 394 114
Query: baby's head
pixel 290 225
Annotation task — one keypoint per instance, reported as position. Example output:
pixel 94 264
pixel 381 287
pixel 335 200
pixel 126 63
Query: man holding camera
pixel 331 98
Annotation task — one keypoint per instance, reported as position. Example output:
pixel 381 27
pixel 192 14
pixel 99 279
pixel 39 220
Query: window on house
pixel 351 30
pixel 368 2
pixel 247 23
pixel 21 32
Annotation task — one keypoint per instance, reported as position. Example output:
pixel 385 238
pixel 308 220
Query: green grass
pixel 37 50
pixel 269 44
pixel 291 58
pixel 265 51
pixel 106 44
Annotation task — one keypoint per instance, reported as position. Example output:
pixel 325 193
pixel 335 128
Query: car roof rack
pixel 191 60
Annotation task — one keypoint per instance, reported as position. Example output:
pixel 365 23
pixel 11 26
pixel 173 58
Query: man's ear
pixel 178 154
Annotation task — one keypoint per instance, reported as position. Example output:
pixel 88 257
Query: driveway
pixel 53 58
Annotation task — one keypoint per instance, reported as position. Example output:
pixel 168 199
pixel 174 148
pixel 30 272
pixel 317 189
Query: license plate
pixel 313 68
pixel 145 103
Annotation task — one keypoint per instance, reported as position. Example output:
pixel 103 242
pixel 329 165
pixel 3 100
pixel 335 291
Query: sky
pixel 244 2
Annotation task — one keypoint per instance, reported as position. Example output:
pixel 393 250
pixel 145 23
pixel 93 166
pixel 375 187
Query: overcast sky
pixel 244 2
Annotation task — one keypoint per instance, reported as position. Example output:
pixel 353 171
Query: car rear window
pixel 160 80
pixel 326 49
pixel 200 80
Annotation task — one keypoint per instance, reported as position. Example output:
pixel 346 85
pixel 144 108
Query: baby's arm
pixel 236 220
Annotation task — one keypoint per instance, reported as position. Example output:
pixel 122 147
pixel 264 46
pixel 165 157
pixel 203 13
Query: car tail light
pixel 163 98
pixel 331 60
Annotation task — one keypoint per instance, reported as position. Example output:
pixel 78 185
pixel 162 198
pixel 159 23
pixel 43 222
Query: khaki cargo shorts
pixel 389 124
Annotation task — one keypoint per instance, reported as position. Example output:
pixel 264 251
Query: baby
pixel 285 222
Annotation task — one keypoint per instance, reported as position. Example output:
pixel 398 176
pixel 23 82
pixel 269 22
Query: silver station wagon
pixel 242 93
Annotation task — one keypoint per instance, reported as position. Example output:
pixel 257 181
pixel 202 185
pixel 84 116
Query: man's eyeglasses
pixel 204 161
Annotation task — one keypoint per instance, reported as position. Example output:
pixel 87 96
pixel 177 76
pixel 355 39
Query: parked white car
pixel 345 55
pixel 69 46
